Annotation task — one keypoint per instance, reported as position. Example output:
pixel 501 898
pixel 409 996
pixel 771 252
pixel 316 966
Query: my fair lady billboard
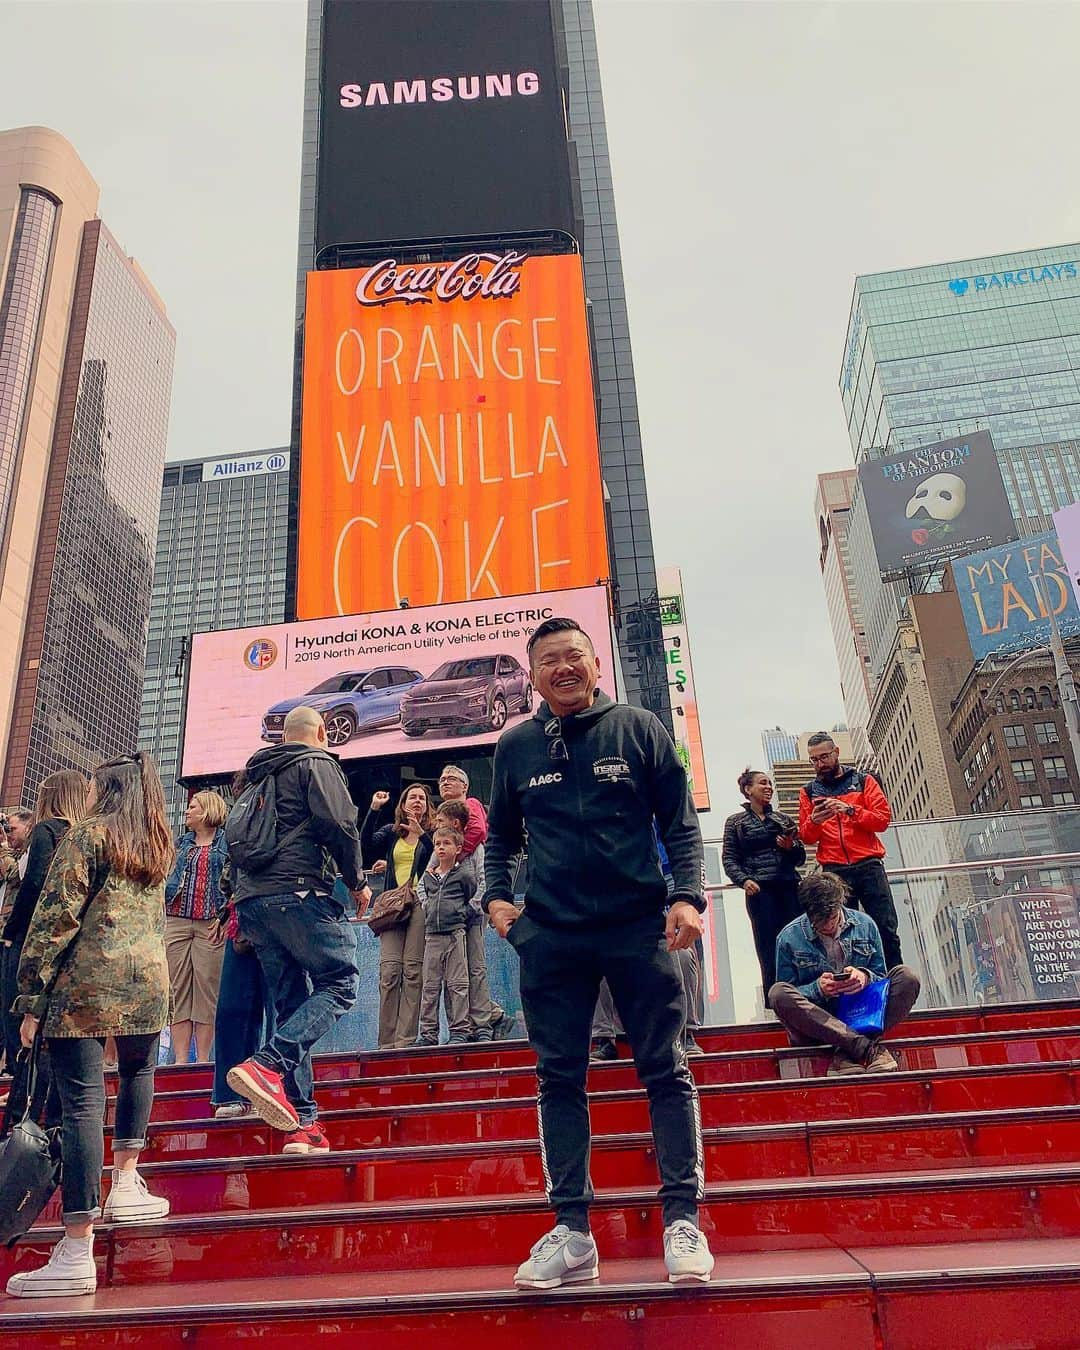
pixel 389 683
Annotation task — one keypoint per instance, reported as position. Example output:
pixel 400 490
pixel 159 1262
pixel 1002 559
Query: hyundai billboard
pixel 449 445
pixel 392 683
pixel 936 502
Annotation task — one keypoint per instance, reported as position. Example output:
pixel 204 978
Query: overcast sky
pixel 763 154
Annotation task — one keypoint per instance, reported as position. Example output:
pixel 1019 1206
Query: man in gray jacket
pixel 299 929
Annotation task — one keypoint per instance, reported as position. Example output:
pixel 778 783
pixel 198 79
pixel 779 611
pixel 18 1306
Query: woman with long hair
pixel 401 851
pixel 94 965
pixel 194 939
pixel 60 802
pixel 762 853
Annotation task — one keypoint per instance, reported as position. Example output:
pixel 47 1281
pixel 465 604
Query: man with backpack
pixel 290 834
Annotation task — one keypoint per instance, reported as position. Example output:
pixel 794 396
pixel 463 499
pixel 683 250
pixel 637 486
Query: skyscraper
pixel 933 352
pixel 832 507
pixel 639 636
pixel 86 357
pixel 778 745
pixel 220 563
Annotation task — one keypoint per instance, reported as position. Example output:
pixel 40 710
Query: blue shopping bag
pixel 865 1013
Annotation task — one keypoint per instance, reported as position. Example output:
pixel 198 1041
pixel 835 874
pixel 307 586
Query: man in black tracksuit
pixel 585 779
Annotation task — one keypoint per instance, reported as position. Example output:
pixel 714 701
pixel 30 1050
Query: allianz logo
pixel 1023 276
pixel 543 779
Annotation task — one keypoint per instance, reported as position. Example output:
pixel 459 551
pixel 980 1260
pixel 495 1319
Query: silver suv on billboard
pixel 350 702
pixel 469 692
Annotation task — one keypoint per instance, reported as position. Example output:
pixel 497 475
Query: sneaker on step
pixel 503 1027
pixel 881 1061
pixel 264 1089
pixel 307 1139
pixel 560 1257
pixel 843 1066
pixel 686 1253
pixel 232 1110
pixel 691 1047
pixel 236 1194
pixel 603 1052
pixel 130 1202
pixel 70 1271
pixel 483 1037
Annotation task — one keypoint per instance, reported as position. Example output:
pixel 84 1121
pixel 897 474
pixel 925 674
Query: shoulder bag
pixel 393 908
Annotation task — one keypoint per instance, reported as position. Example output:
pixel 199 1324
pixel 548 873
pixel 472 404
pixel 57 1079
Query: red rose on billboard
pixel 920 537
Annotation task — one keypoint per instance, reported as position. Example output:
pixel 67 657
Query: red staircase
pixel 931 1208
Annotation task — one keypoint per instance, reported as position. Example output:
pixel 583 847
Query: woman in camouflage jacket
pixel 93 965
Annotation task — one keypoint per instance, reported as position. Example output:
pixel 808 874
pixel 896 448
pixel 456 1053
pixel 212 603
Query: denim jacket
pixel 800 953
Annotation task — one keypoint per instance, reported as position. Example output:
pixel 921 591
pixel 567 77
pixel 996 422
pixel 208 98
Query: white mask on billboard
pixel 942 497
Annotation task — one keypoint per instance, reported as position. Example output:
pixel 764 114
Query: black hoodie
pixel 310 787
pixel 589 818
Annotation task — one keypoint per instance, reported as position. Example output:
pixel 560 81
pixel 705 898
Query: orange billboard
pixel 449 446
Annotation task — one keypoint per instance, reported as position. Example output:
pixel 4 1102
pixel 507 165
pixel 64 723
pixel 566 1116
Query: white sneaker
pixel 130 1202
pixel 232 1110
pixel 560 1257
pixel 686 1253
pixel 236 1194
pixel 70 1270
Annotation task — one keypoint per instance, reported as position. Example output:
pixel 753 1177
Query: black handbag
pixel 29 1165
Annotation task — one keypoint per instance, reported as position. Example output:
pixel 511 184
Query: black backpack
pixel 251 831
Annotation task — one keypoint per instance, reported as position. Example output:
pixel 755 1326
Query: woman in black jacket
pixel 61 802
pixel 400 850
pixel 762 852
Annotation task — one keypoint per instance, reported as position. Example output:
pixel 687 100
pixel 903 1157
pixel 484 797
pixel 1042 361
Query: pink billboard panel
pixel 393 683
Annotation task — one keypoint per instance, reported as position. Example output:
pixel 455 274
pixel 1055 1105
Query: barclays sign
pixel 1023 276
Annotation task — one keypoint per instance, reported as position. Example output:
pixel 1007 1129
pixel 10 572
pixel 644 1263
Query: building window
pixel 1046 733
pixel 1016 736
pixel 1027 803
pixel 1064 798
pixel 1055 766
pixel 1023 770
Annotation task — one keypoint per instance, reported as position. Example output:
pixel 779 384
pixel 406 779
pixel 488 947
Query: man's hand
pixel 824 808
pixel 751 888
pixel 28 1030
pixel 684 925
pixel 503 916
pixel 827 984
pixel 361 899
pixel 851 981
pixel 215 934
pixel 785 841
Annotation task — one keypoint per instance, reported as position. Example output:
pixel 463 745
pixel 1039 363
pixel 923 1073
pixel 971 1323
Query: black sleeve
pixel 374 838
pixel 43 841
pixel 333 819
pixel 506 835
pixel 731 852
pixel 676 819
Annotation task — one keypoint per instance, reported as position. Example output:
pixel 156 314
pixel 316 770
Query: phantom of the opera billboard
pixel 391 683
pixel 449 445
pixel 1005 593
pixel 936 502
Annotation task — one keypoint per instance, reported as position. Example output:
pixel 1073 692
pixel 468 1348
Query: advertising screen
pixel 1004 594
pixel 680 677
pixel 392 683
pixel 1029 946
pixel 449 440
pixel 936 502
pixel 1067 525
pixel 440 120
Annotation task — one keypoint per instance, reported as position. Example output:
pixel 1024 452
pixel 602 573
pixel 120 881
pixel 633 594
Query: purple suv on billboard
pixel 470 692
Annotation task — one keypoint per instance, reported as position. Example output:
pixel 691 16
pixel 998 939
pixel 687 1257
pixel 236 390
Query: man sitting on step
pixel 833 950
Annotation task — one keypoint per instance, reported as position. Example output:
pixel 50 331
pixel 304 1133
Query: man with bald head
pixel 289 912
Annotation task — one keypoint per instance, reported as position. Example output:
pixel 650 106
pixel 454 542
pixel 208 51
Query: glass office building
pixel 81 666
pixel 933 352
pixel 220 563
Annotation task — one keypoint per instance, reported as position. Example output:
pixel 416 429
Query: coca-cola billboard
pixel 440 119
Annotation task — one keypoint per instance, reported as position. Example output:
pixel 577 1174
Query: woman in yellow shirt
pixel 401 851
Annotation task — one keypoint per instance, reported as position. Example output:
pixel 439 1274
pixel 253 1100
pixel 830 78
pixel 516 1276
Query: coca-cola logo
pixel 483 276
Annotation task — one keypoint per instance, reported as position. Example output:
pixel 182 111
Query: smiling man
pixel 584 779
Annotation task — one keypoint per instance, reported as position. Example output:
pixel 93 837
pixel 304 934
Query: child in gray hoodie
pixel 445 890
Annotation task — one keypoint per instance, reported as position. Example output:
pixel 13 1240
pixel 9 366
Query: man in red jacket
pixel 843 811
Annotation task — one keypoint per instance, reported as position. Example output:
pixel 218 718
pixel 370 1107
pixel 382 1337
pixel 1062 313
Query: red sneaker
pixel 307 1139
pixel 264 1089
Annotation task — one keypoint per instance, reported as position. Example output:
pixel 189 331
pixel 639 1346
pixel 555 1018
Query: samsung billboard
pixel 936 502
pixel 441 119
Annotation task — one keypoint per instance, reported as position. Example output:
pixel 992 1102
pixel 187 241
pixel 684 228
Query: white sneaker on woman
pixel 686 1253
pixel 70 1270
pixel 130 1202
pixel 232 1110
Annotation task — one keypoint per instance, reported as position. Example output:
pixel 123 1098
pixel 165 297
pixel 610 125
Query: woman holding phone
pixel 400 850
pixel 762 853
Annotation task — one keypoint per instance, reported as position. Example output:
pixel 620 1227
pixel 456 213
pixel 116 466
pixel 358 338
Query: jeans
pixel 244 1018
pixel 870 890
pixel 9 991
pixel 807 1024
pixel 774 906
pixel 561 970
pixel 79 1070
pixel 308 956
